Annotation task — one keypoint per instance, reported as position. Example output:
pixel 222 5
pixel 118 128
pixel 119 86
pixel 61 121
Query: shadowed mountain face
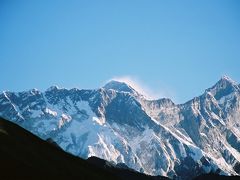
pixel 116 123
pixel 25 156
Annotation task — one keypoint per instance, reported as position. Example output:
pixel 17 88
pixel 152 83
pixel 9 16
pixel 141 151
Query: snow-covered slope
pixel 118 124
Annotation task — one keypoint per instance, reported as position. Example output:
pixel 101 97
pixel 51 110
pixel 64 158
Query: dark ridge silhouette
pixel 25 156
pixel 214 176
pixel 123 172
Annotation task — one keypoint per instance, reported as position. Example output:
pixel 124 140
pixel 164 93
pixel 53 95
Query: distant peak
pixel 227 78
pixel 225 81
pixel 223 87
pixel 119 86
pixel 52 88
pixel 34 91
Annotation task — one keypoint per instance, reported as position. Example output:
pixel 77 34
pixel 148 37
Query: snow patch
pixel 98 120
pixel 64 119
pixel 51 112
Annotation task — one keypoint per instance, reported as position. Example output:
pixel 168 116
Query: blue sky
pixel 171 48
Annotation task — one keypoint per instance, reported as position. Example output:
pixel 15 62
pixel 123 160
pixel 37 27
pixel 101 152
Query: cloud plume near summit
pixel 143 88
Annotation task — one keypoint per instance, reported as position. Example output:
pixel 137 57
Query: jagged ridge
pixel 118 124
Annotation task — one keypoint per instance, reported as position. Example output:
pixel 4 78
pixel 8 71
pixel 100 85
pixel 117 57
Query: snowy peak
pixel 119 86
pixel 223 87
pixel 225 80
pixel 53 88
pixel 34 91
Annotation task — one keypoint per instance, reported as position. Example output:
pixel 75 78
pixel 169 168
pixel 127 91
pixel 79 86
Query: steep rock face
pixel 118 124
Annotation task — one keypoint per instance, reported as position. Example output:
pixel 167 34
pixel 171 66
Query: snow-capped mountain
pixel 120 125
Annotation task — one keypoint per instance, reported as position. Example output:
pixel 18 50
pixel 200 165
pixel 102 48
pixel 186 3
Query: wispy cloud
pixel 143 88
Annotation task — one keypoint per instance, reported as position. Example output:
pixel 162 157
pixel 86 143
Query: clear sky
pixel 175 48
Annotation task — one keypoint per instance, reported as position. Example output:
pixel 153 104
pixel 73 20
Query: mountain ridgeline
pixel 118 124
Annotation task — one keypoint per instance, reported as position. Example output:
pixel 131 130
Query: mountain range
pixel 118 124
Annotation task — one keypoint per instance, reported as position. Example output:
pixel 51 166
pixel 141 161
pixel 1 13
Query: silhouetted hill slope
pixel 25 156
pixel 212 176
pixel 123 171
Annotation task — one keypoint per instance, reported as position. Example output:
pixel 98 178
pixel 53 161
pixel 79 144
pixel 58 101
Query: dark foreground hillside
pixel 212 176
pixel 25 156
